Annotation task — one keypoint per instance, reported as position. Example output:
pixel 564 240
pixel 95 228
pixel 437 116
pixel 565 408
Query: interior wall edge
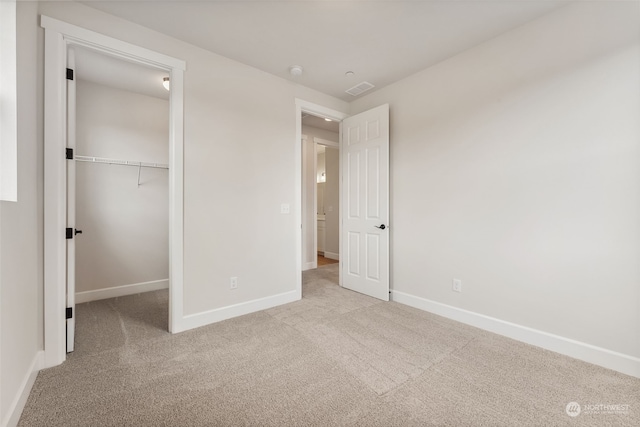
pixel 205 318
pixel 15 409
pixel 121 291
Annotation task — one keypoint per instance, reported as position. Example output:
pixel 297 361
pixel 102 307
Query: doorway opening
pixel 59 36
pixel 118 195
pixel 321 191
pixel 364 198
pixel 306 171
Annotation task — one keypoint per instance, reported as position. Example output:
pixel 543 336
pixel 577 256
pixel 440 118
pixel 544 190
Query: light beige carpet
pixel 334 358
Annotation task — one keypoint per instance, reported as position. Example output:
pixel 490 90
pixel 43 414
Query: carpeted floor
pixel 334 358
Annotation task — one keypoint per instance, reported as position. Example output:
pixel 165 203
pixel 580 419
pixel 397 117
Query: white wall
pixel 125 238
pixel 236 176
pixel 320 173
pixel 515 167
pixel 20 238
pixel 309 252
pixel 332 202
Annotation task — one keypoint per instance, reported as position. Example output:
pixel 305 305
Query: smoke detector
pixel 360 88
pixel 295 70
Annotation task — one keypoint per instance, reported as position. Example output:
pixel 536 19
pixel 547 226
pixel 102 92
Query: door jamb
pixel 317 110
pixel 58 36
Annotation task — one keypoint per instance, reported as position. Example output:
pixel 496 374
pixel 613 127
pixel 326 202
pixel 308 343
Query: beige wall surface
pixel 21 229
pixel 515 168
pixel 125 237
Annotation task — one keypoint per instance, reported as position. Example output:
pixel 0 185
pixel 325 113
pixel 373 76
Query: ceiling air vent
pixel 359 88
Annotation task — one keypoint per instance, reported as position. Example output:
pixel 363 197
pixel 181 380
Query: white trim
pixel 55 198
pixel 332 255
pixel 15 409
pixel 9 107
pixel 624 363
pixel 121 291
pixel 326 142
pixel 114 47
pixel 317 110
pixel 310 266
pixel 314 197
pixel 58 37
pixel 176 201
pixel 211 316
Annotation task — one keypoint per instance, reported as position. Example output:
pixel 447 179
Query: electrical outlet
pixel 285 208
pixel 233 283
pixel 457 285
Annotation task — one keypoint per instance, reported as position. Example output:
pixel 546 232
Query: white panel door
pixel 71 205
pixel 365 203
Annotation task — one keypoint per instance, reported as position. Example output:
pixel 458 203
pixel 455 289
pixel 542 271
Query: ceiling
pixel 319 122
pixel 109 71
pixel 381 42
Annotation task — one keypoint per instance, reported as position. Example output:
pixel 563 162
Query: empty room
pixel 279 213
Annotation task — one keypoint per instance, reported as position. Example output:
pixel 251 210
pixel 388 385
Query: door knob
pixel 381 227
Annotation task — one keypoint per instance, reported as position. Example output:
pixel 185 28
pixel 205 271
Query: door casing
pixel 316 110
pixel 59 36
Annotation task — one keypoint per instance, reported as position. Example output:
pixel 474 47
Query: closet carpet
pixel 334 358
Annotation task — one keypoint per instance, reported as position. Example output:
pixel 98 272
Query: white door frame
pixel 316 110
pixel 304 206
pixel 58 36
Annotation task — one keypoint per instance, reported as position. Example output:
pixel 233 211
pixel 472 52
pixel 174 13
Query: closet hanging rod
pixel 121 162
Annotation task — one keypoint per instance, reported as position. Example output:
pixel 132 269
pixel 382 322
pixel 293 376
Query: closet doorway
pixel 118 198
pixel 321 191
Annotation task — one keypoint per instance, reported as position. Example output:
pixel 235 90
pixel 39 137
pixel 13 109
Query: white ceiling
pixel 319 122
pixel 380 41
pixel 109 71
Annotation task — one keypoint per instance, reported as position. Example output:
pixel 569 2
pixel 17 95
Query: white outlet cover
pixel 457 285
pixel 285 208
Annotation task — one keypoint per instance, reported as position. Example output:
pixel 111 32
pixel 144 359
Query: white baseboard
pixel 212 316
pixel 120 291
pixel 15 409
pixel 624 363
pixel 310 266
pixel 332 255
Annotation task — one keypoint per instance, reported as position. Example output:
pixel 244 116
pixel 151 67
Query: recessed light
pixel 328 120
pixel 349 73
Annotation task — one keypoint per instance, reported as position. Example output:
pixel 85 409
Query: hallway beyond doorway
pixel 326 261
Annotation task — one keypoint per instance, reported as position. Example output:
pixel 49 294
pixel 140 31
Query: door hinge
pixel 69 233
pixel 69 74
pixel 69 153
pixel 69 313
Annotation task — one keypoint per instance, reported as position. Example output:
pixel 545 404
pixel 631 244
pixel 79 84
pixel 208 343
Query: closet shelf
pixel 121 162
